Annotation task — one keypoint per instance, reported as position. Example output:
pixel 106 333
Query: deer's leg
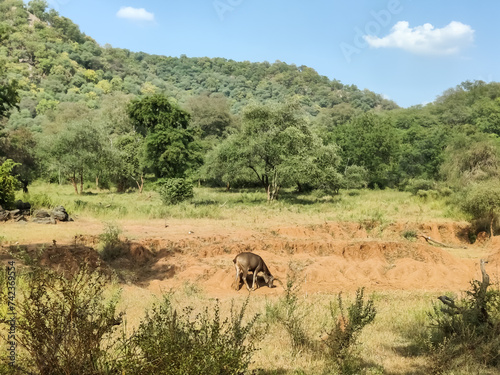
pixel 238 275
pixel 245 273
pixel 255 272
pixel 253 281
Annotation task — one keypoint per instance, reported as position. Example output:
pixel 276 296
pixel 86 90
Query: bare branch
pixel 434 242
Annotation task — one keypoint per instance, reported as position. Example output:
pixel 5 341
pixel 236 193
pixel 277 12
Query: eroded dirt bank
pixel 329 257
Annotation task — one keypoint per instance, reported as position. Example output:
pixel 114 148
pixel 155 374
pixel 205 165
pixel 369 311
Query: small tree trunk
pixel 73 182
pixel 274 185
pixel 140 186
pixel 97 182
pixel 81 182
pixel 25 185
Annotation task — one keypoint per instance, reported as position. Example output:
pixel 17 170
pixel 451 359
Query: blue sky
pixel 410 51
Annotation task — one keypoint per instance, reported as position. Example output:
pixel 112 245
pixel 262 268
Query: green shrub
pixel 419 185
pixel 111 246
pixel 175 190
pixel 445 191
pixel 65 324
pixel 355 177
pixel 341 341
pixel 409 234
pixel 424 194
pixel 288 312
pixel 482 202
pixel 466 333
pixel 353 193
pixel 172 342
pixel 41 200
pixel 8 184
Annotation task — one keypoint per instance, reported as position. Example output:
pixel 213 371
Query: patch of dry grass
pixel 396 342
pixel 244 209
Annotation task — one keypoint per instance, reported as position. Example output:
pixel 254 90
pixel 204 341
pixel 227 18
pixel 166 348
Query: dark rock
pixel 20 205
pixel 14 213
pixel 60 213
pixel 40 214
pixel 4 215
pixel 44 220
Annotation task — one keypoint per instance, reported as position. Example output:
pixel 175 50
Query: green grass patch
pixel 364 206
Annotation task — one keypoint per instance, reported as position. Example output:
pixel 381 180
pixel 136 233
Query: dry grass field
pixel 329 245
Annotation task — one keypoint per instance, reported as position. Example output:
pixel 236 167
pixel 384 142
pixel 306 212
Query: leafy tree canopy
pixel 372 142
pixel 171 149
pixel 275 143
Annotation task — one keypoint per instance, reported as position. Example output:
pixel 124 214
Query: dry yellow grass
pixel 393 344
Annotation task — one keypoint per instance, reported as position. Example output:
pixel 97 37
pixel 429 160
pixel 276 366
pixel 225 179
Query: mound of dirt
pixel 325 258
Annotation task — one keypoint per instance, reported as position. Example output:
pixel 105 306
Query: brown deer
pixel 250 262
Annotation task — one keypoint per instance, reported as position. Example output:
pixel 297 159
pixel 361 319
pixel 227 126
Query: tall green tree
pixel 275 144
pixel 223 163
pixel 423 140
pixel 170 146
pixel 38 7
pixel 77 152
pixel 372 142
pixel 316 166
pixel 210 115
pixel 130 168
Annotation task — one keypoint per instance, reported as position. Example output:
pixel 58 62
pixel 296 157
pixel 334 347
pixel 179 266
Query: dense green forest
pixel 75 111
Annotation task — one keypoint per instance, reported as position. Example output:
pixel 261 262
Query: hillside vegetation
pixel 75 111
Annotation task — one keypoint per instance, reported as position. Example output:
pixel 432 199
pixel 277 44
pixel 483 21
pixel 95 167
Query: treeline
pixel 73 110
pixel 54 62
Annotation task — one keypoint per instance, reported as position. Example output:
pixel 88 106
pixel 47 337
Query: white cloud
pixel 135 14
pixel 425 39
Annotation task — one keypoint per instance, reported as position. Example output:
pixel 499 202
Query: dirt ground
pixel 328 257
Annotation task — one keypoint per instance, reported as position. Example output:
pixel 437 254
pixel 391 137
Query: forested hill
pixel 73 110
pixel 53 62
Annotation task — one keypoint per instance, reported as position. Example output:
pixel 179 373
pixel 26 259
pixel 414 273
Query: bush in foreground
pixel 466 333
pixel 342 340
pixel 65 324
pixel 172 342
pixel 291 314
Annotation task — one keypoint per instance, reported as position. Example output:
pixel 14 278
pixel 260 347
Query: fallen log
pixel 434 243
